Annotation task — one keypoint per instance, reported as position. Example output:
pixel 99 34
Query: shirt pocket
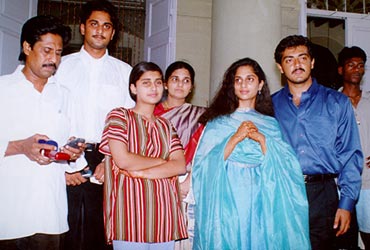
pixel 57 124
pixel 322 131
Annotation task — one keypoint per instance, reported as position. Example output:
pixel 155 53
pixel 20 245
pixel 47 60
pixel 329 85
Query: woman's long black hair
pixel 226 102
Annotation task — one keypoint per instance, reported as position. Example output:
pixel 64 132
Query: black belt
pixel 92 155
pixel 319 177
pixel 91 147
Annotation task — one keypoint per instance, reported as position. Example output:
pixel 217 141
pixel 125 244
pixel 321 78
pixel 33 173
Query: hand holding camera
pixel 54 155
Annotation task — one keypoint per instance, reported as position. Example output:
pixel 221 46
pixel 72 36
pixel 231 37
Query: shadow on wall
pixel 326 67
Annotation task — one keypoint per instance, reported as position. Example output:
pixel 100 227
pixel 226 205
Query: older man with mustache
pixel 34 107
pixel 320 125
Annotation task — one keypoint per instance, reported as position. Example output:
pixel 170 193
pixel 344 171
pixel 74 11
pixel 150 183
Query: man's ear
pixel 340 70
pixel 82 29
pixel 26 48
pixel 114 32
pixel 280 68
pixel 312 63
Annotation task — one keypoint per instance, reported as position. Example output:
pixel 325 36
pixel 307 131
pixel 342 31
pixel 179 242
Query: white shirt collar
pixel 86 56
pixel 20 74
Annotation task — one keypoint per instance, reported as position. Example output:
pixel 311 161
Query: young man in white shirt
pixel 98 83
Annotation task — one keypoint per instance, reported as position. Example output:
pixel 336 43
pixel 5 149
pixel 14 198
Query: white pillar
pixel 245 28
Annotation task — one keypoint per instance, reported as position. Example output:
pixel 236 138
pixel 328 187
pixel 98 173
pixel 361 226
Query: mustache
pixel 299 69
pixel 50 65
pixel 99 36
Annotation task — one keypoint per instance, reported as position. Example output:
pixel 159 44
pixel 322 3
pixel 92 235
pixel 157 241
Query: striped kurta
pixel 136 209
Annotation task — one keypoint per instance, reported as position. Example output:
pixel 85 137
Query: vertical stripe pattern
pixel 141 210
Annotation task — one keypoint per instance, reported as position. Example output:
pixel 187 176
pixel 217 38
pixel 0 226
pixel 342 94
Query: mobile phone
pixel 55 155
pixel 86 173
pixel 74 143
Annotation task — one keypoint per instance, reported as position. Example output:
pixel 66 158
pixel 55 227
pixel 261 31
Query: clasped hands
pixel 247 129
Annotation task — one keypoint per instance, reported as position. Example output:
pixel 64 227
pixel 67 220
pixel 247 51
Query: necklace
pixel 165 105
pixel 244 109
pixel 355 96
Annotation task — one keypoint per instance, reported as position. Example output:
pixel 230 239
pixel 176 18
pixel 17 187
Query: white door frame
pixel 326 14
pixel 354 24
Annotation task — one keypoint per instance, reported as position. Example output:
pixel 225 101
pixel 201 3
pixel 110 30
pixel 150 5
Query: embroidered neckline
pixel 244 109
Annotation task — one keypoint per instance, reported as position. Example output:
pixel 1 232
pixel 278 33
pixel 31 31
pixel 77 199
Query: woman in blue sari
pixel 248 185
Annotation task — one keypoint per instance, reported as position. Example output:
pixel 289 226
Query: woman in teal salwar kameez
pixel 248 185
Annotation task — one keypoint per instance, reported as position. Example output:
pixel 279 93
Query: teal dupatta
pixel 250 201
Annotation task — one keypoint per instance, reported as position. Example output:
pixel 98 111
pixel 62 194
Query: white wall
pixel 193 43
pixel 194 38
pixel 245 29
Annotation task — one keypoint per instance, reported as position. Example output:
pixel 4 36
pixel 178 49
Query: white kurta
pixel 33 197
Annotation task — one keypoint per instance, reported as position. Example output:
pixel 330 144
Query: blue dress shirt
pixel 323 132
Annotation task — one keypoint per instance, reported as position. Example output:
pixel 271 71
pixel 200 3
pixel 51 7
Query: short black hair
pixel 38 26
pixel 350 52
pixel 138 70
pixel 99 5
pixel 180 65
pixel 291 42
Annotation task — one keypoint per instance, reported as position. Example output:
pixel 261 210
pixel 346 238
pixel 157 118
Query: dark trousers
pixel 85 212
pixel 323 204
pixel 365 237
pixel 34 242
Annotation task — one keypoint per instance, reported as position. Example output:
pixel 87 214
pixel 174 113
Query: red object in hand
pixel 55 155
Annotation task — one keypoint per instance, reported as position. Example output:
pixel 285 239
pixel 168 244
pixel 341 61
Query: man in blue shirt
pixel 320 125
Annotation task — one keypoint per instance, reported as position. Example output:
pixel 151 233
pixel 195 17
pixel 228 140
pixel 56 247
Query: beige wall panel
pixel 193 43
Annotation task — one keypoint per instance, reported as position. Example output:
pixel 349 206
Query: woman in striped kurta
pixel 144 158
